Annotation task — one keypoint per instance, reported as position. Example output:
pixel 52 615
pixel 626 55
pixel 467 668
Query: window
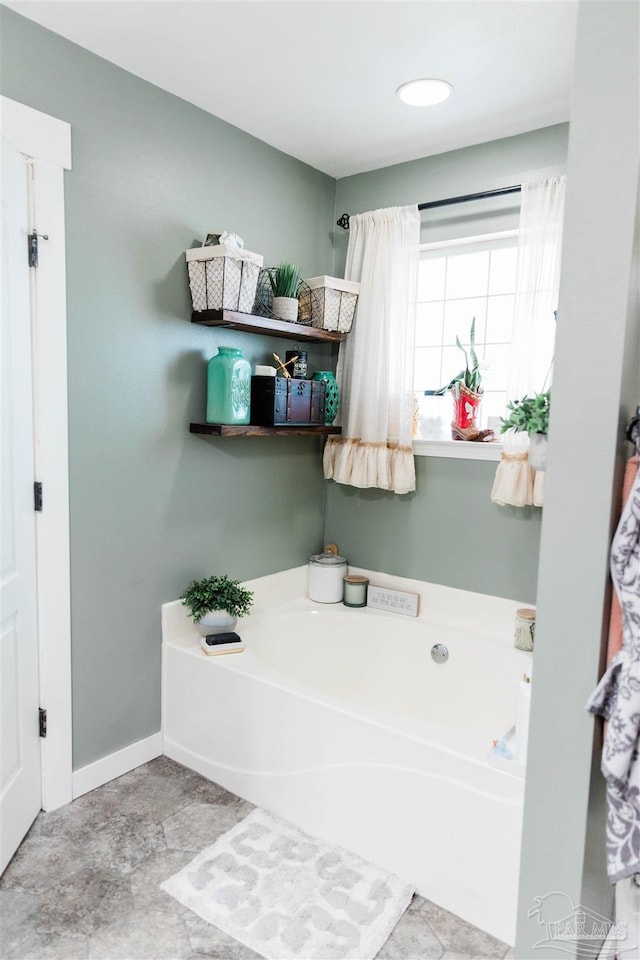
pixel 457 281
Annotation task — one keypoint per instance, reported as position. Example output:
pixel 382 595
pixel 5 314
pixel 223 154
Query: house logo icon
pixel 566 924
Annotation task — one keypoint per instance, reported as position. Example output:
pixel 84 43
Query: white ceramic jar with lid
pixel 326 573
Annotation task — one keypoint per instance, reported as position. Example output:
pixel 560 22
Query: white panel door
pixel 20 772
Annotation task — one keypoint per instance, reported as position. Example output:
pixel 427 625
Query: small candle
pixel 355 591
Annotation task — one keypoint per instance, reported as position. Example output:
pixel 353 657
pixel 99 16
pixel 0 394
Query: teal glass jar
pixel 228 387
pixel 332 395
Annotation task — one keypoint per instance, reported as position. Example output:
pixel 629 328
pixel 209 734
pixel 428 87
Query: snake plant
pixel 470 376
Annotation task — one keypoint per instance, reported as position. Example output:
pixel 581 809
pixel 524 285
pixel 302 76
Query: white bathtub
pixel 338 720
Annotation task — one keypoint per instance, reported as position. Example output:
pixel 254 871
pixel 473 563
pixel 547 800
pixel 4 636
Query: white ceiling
pixel 317 78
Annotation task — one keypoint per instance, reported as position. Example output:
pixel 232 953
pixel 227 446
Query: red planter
pixel 465 409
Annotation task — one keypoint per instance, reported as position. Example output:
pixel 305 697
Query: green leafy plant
pixel 284 280
pixel 529 415
pixel 217 593
pixel 470 375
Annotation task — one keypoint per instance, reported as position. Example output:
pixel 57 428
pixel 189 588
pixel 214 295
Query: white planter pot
pixel 216 621
pixel 538 451
pixel 285 308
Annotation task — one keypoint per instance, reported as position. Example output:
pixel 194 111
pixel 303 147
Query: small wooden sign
pixel 394 601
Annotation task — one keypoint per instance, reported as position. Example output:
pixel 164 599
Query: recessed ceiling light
pixel 424 93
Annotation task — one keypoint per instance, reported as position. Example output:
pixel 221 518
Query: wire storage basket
pixel 223 277
pixel 330 302
pixel 263 306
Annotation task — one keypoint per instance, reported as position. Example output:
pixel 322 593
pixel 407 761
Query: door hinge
pixel 37 496
pixel 32 246
pixel 42 722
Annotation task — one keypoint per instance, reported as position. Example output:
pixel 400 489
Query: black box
pixel 286 401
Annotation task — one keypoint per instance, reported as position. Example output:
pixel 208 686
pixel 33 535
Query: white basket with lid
pixel 331 302
pixel 223 277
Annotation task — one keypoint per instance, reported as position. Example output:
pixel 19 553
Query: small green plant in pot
pixel 215 603
pixel 285 282
pixel 531 415
pixel 466 389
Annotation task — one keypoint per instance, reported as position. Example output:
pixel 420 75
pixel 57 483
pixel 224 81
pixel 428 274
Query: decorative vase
pixel 228 387
pixel 331 397
pixel 285 308
pixel 538 451
pixel 465 410
pixel 216 621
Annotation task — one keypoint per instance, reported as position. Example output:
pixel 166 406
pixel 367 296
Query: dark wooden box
pixel 286 401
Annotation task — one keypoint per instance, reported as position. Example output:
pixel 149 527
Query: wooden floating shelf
pixel 224 430
pixel 249 323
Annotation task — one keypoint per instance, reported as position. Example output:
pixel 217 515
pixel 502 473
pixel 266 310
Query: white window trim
pixel 458 449
pixel 462 241
pixel 462 449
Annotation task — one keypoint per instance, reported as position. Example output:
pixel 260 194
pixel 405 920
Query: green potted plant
pixel 466 389
pixel 531 415
pixel 285 281
pixel 215 603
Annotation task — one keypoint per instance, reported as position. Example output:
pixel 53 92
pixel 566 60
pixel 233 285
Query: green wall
pixel 434 534
pixel 563 843
pixel 448 531
pixel 152 506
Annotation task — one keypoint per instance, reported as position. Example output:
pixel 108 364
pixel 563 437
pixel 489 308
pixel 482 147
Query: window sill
pixel 458 449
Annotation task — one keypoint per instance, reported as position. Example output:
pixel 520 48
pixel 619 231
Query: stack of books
pixel 216 644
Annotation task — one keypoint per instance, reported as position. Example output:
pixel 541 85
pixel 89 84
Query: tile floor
pixel 85 882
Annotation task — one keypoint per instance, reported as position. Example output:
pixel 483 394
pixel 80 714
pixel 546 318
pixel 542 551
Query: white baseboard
pixel 108 768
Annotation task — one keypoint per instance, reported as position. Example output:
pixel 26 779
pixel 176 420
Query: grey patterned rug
pixel 289 896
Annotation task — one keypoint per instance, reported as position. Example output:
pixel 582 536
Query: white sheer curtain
pixel 531 356
pixel 537 284
pixel 375 365
pixel 516 483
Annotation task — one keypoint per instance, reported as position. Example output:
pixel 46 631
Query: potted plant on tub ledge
pixel 215 603
pixel 531 415
pixel 466 388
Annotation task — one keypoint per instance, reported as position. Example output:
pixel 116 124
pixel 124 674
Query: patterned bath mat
pixel 289 896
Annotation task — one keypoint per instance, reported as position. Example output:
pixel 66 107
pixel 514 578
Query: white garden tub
pixel 339 721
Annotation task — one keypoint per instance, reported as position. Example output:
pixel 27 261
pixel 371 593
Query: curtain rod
pixel 484 195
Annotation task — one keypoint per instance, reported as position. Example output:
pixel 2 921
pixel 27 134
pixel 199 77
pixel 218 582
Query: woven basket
pixel 223 278
pixel 331 302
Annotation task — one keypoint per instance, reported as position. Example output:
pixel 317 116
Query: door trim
pixel 36 134
pixel 46 142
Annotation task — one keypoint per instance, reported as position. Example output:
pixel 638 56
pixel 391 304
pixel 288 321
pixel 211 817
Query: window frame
pixel 461 449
